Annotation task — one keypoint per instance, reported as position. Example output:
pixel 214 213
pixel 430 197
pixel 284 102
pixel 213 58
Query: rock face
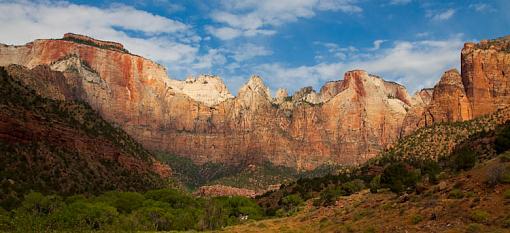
pixel 486 74
pixel 347 122
pixel 50 143
pixel 207 89
pixel 482 88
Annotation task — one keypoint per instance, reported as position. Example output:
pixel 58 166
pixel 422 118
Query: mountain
pixel 347 122
pixel 482 87
pixel 53 143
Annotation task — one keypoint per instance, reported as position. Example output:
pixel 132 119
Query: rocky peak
pixel 330 89
pixel 281 95
pixel 208 89
pixel 423 96
pixel 307 94
pixel 451 77
pixel 255 86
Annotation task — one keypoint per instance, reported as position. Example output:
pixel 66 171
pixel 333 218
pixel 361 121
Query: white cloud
pixel 249 51
pixel 259 17
pixel 377 44
pixel 482 7
pixel 441 16
pixel 400 2
pixel 416 65
pixel 162 39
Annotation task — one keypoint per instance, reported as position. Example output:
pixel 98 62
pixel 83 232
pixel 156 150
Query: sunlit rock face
pixel 207 89
pixel 482 87
pixel 486 74
pixel 347 121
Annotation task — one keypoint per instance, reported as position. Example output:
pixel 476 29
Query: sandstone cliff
pixel 482 88
pixel 348 121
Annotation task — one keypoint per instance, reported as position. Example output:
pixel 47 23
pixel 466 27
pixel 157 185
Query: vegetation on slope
pixel 64 147
pixel 465 202
pixel 417 161
pixel 254 177
pixel 155 210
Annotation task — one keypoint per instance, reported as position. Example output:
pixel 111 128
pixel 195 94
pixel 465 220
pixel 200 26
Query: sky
pixel 289 43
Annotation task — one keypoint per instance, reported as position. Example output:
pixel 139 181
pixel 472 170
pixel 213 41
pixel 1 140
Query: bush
pixel 474 228
pixel 479 216
pixel 375 184
pixel 416 219
pixel 505 157
pixel 498 174
pixel 506 194
pixel 329 196
pixel 353 186
pixel 464 159
pixel 292 202
pixel 502 142
pixel 399 176
pixel 456 194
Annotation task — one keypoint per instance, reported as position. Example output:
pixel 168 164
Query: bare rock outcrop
pixel 347 122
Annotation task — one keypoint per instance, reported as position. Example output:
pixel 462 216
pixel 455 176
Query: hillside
pixel 65 147
pixel 462 203
pixel 403 171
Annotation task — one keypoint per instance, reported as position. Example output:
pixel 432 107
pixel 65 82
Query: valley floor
pixel 463 203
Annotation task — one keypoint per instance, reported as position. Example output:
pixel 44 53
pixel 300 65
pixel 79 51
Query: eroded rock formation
pixel 482 88
pixel 348 121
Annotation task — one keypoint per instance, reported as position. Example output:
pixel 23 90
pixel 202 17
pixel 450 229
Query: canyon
pixel 347 122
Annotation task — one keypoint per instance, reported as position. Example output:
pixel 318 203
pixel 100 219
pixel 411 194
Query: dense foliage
pixel 155 210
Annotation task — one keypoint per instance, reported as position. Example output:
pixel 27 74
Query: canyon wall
pixel 347 122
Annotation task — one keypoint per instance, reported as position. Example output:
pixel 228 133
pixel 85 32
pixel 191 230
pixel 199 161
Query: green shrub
pixel 506 194
pixel 375 184
pixel 5 220
pixel 415 219
pixel 474 228
pixel 505 157
pixel 502 142
pixel 479 216
pixel 329 196
pixel 399 176
pixel 506 223
pixel 353 186
pixel 455 194
pixel 464 159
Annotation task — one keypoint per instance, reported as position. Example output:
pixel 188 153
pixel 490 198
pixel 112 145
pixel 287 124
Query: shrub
pixel 399 176
pixel 505 157
pixel 5 220
pixel 329 196
pixel 498 174
pixel 502 142
pixel 479 216
pixel 375 184
pixel 474 228
pixel 415 219
pixel 464 159
pixel 353 186
pixel 506 194
pixel 506 223
pixel 456 194
pixel 292 202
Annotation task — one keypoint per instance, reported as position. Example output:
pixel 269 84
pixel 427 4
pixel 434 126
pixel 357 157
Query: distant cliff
pixel 347 122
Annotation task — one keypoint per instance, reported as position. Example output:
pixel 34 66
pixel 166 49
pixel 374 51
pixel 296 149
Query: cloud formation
pixel 416 65
pixel 259 17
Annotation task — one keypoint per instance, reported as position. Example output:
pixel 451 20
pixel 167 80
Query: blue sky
pixel 290 43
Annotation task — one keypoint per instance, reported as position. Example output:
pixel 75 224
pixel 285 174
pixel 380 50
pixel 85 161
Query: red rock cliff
pixel 348 122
